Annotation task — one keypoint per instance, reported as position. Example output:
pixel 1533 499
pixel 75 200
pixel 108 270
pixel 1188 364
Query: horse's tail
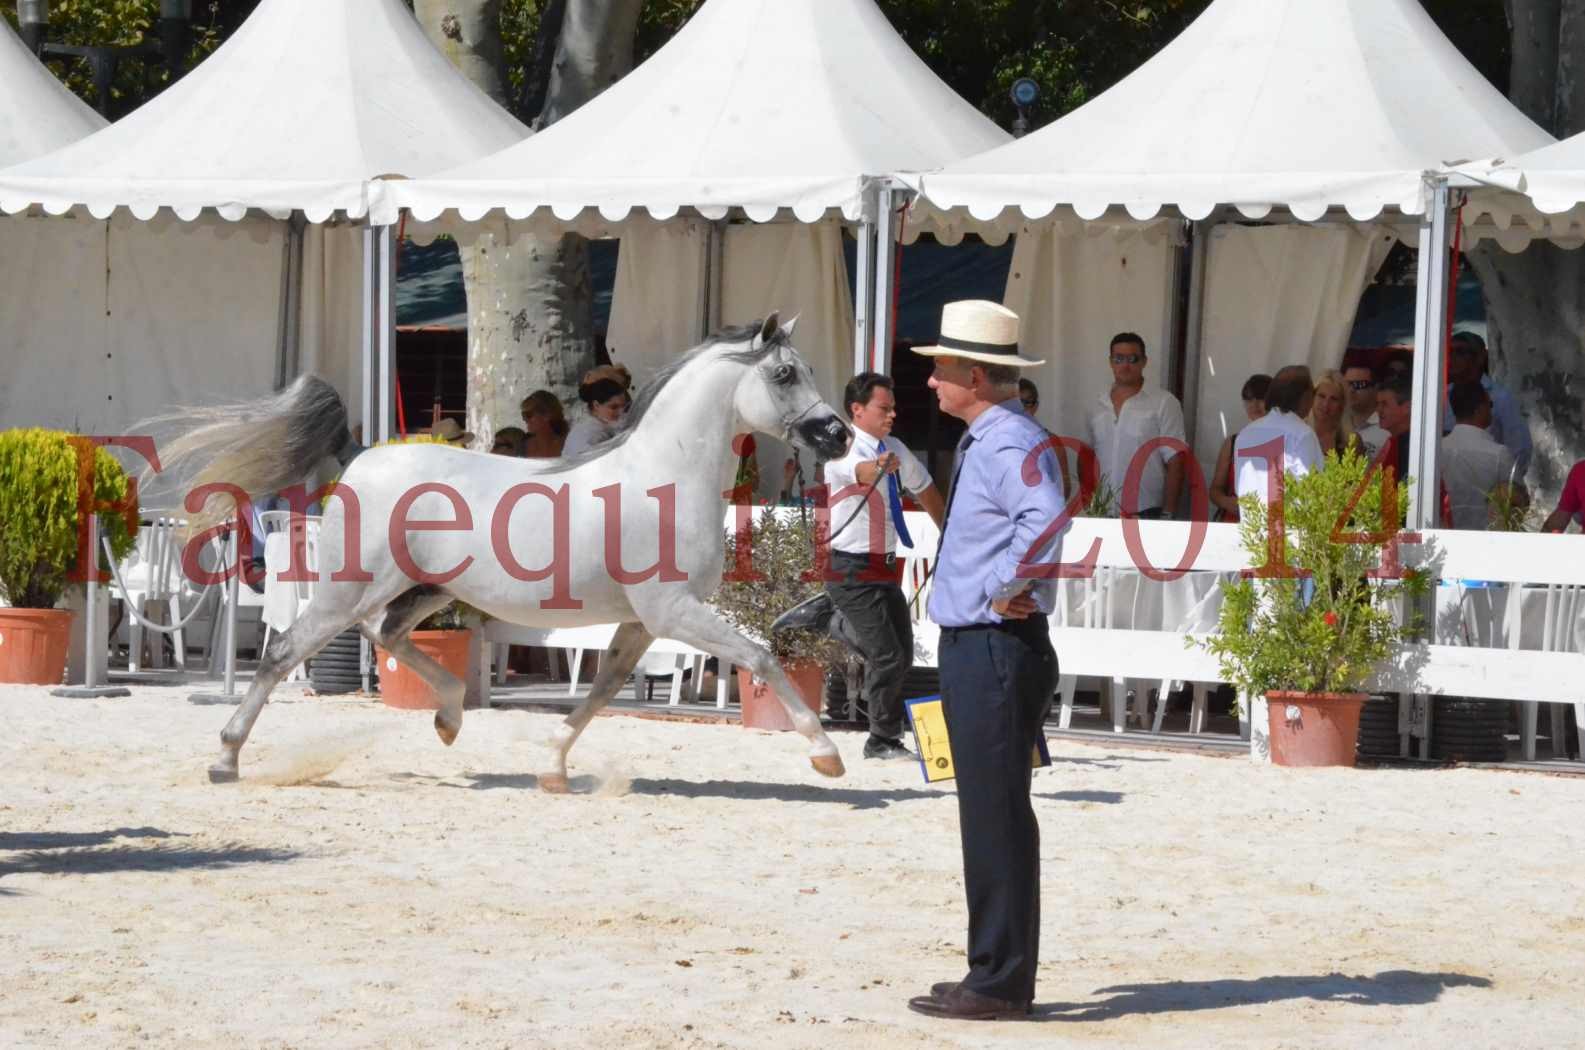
pixel 259 446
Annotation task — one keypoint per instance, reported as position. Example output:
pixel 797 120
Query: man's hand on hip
pixel 1018 607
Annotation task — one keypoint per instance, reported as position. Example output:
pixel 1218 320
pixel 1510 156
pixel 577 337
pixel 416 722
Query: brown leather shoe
pixel 962 1004
pixel 940 989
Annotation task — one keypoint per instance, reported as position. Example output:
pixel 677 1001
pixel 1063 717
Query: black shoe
pixel 811 614
pixel 887 750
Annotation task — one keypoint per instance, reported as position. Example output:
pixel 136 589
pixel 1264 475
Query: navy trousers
pixel 997 682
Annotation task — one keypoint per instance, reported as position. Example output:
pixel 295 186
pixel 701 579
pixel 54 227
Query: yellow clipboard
pixel 929 720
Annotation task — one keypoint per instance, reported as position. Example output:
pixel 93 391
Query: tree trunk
pixel 1535 300
pixel 530 301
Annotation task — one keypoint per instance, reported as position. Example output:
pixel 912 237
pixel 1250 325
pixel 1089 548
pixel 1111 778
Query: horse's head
pixel 777 395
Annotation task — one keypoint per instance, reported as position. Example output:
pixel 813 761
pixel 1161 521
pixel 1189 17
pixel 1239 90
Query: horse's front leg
pixel 695 623
pixel 629 644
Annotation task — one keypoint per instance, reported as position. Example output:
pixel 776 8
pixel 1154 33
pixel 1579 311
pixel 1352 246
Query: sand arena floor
pixel 367 887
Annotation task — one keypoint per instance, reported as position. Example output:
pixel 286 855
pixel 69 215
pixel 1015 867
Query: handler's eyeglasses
pixel 1127 359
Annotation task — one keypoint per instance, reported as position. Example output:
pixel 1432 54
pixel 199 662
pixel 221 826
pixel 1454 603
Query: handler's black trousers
pixel 877 623
pixel 996 687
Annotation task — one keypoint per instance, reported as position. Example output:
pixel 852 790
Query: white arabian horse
pixel 629 532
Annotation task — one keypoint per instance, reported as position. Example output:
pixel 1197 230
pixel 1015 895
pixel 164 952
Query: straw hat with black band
pixel 980 331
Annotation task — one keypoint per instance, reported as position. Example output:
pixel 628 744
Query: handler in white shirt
pixel 1123 420
pixel 1288 401
pixel 1474 464
pixel 872 612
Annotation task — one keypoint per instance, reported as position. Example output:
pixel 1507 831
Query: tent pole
pixel 717 271
pixel 371 292
pixel 863 280
pixel 1430 370
pixel 387 330
pixel 297 233
pixel 283 320
pixel 1194 328
pixel 881 318
pixel 1430 335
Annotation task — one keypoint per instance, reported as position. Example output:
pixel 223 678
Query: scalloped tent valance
pixel 1262 105
pixel 755 105
pixel 37 113
pixel 306 108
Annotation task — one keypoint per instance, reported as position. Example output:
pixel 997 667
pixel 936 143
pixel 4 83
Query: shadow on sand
pixel 93 853
pixel 1388 988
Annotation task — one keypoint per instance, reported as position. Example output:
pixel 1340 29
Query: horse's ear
pixel 767 330
pixel 787 330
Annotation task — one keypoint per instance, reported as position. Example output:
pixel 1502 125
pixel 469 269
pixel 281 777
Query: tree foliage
pixel 1074 49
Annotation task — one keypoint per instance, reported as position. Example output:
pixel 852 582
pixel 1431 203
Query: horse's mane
pixel 650 391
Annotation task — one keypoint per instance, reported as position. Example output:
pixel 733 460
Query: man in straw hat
pixel 998 670
pixel 451 432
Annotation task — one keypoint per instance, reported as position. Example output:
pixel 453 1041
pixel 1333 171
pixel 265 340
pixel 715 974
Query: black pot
pixel 337 668
pixel 1378 728
pixel 1468 730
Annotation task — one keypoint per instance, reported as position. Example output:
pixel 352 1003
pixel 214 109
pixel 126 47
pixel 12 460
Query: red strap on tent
pixel 1452 292
pixel 897 277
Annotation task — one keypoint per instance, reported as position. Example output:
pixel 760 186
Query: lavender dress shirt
pixel 1007 495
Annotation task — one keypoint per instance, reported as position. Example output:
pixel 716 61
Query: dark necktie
pixel 963 454
pixel 895 498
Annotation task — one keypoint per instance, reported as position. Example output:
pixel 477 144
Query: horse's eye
pixel 782 374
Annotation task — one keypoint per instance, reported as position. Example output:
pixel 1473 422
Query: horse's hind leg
pixel 318 624
pixel 391 628
pixel 629 644
pixel 693 622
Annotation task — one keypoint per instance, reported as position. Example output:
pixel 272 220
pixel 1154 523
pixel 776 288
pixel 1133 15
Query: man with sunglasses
pixel 1362 389
pixel 1123 420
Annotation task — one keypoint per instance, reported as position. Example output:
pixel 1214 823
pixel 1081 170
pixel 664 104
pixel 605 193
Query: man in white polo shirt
pixel 1476 466
pixel 871 614
pixel 1280 436
pixel 1123 420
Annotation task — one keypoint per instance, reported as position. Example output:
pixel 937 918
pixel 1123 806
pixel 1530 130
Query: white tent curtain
pixel 1074 286
pixel 331 332
pixel 655 306
pixel 1275 296
pixel 110 322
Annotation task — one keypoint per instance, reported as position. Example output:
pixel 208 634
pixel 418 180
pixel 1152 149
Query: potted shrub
pixel 782 546
pixel 444 637
pixel 41 476
pixel 1309 644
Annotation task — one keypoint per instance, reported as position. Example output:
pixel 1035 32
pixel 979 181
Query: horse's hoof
pixel 553 784
pixel 828 765
pixel 223 775
pixel 447 733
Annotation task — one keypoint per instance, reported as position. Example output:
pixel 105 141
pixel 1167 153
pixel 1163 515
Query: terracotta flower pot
pixel 761 707
pixel 401 686
pixel 1313 729
pixel 33 645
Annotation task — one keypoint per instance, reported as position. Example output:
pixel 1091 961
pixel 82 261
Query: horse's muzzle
pixel 827 435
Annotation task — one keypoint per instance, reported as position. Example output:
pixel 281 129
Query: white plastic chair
pixel 279 523
pixel 152 573
pixel 1558 634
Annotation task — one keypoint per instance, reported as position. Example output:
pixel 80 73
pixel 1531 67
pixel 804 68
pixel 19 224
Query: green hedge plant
pixel 782 546
pixel 1332 630
pixel 40 481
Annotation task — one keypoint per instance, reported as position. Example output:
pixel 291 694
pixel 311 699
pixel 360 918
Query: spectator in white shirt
pixel 1467 362
pixel 1123 420
pixel 1288 402
pixel 1475 467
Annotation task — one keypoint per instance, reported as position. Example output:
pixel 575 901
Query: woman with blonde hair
pixel 545 424
pixel 1329 417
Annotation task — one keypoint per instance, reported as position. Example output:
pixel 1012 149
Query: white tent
pixel 783 112
pixel 37 113
pixel 299 116
pixel 1302 110
pixel 1532 195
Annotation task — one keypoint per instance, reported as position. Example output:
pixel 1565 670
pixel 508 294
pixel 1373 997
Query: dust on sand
pixel 701 886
